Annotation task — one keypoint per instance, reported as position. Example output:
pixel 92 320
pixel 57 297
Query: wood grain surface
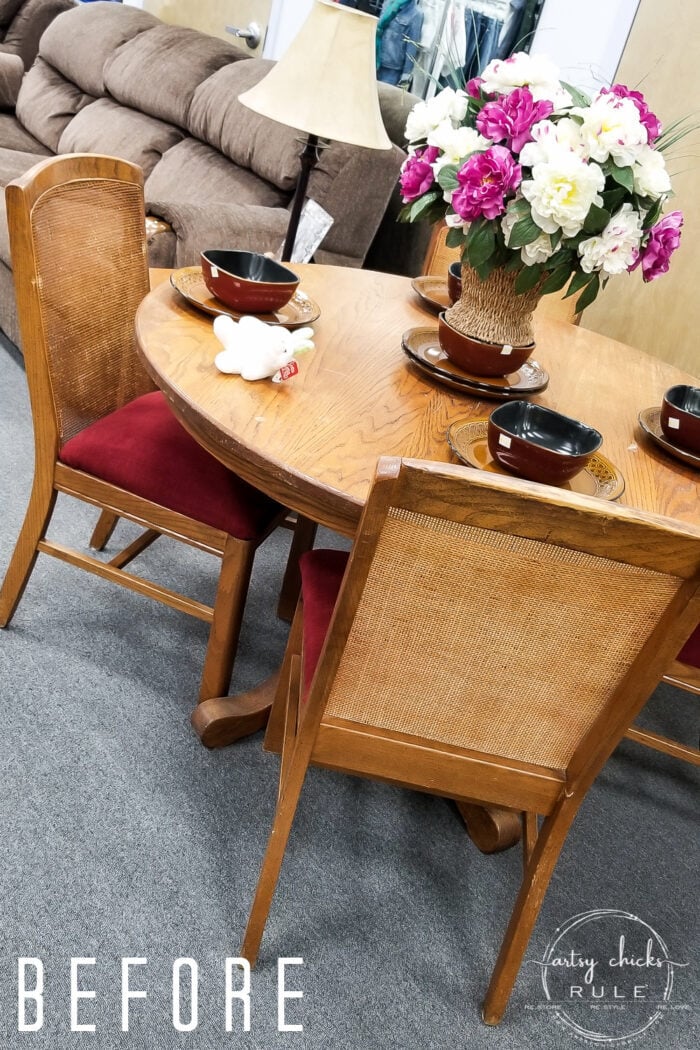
pixel 313 441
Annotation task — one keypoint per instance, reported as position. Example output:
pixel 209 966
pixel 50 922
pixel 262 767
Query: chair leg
pixel 106 524
pixel 292 775
pixel 36 521
pixel 231 592
pixel 302 541
pixel 538 873
pixel 275 727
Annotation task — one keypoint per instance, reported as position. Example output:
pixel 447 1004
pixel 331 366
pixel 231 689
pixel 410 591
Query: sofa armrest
pixel 11 73
pixel 201 226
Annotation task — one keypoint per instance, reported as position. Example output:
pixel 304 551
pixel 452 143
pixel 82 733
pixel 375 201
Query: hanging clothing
pixel 483 32
pixel 398 32
pixel 452 49
pixel 519 27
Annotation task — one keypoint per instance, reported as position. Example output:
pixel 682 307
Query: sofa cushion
pixel 176 60
pixel 106 127
pixel 269 149
pixel 333 182
pixel 211 224
pixel 195 172
pixel 8 10
pixel 79 41
pixel 11 74
pixel 47 102
pixel 28 26
pixel 14 137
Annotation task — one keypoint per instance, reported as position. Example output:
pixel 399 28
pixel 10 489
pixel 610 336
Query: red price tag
pixel 287 371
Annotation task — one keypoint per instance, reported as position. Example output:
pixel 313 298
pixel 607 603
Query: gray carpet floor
pixel 124 837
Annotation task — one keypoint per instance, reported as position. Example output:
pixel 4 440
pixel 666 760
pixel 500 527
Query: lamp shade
pixel 326 83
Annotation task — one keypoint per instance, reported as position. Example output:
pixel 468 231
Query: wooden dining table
pixel 312 441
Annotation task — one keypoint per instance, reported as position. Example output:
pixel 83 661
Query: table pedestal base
pixel 224 719
pixel 491 828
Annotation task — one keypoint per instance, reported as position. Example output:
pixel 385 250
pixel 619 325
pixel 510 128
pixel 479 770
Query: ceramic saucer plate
pixel 467 439
pixel 421 346
pixel 650 422
pixel 433 292
pixel 189 282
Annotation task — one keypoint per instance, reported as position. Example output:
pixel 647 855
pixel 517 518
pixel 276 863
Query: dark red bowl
pixel 680 416
pixel 247 281
pixel 540 444
pixel 478 357
pixel 454 281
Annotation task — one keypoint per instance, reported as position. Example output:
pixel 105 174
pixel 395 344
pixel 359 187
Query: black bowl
pixel 539 443
pixel 247 281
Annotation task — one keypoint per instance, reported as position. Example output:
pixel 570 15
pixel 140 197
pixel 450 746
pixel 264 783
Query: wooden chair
pixel 438 258
pixel 683 673
pixel 457 657
pixel 103 433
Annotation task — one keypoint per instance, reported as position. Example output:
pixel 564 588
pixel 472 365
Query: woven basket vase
pixel 492 311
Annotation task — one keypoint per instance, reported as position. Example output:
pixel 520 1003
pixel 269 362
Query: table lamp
pixel 325 85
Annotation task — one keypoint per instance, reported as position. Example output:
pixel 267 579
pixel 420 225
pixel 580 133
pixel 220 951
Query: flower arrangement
pixel 534 177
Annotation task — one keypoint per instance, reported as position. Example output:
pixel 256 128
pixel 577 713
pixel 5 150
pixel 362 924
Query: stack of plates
pixel 422 347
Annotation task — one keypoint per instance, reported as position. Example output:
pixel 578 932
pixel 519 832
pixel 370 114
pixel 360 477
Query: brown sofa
pixel 114 79
pixel 22 23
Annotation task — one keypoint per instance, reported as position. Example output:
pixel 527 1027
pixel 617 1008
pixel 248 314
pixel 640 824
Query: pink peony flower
pixel 510 118
pixel 417 175
pixel 663 240
pixel 484 182
pixel 472 87
pixel 650 121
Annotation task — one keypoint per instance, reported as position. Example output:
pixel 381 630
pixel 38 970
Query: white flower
pixel 448 104
pixel 561 192
pixel 650 176
pixel 611 128
pixel 617 247
pixel 549 139
pixel 455 143
pixel 531 254
pixel 536 72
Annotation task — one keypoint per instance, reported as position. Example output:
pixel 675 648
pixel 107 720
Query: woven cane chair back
pixel 507 633
pixel 87 269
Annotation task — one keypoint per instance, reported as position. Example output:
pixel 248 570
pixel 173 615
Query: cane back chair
pixel 103 433
pixel 456 659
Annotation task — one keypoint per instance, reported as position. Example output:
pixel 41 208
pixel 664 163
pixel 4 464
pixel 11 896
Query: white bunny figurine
pixel 255 350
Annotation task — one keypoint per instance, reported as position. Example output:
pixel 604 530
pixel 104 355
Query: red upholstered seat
pixel 142 448
pixel 321 576
pixel 690 653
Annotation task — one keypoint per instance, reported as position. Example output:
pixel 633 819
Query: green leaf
pixel 514 262
pixel 653 214
pixel 578 96
pixel 480 243
pixel 524 232
pixel 486 267
pixel 447 177
pixel 596 220
pixel 528 277
pixel 612 199
pixel 419 207
pixel 578 281
pixel 455 237
pixel 623 177
pixel 589 293
pixel 556 280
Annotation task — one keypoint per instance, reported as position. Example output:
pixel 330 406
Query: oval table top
pixel 312 442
